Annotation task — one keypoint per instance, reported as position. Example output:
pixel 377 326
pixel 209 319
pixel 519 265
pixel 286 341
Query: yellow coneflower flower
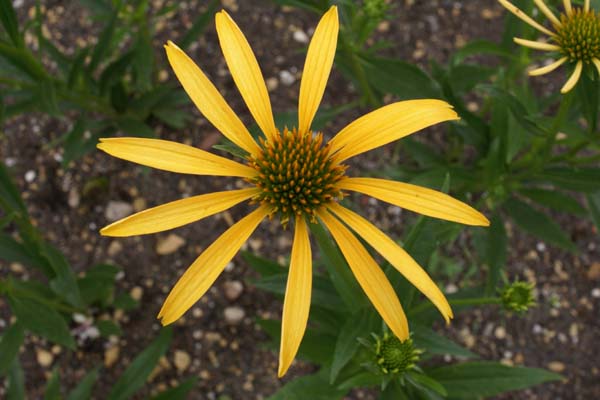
pixel 575 39
pixel 291 175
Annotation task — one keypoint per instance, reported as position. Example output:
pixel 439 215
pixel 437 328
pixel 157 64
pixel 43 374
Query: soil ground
pixel 228 355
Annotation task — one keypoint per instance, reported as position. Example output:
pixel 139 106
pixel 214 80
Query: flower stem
pixel 474 301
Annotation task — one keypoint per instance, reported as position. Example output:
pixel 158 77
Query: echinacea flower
pixel 291 175
pixel 575 38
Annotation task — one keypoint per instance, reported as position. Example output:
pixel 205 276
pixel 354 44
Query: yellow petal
pixel 200 276
pixel 547 12
pixel 532 44
pixel 597 64
pixel 208 99
pixel 177 213
pixel 524 17
pixel 173 156
pixel 370 277
pixel 573 79
pixel 586 5
pixel 317 67
pixel 548 68
pixel 387 124
pixel 416 198
pixel 396 256
pixel 568 7
pixel 297 298
pixel 245 72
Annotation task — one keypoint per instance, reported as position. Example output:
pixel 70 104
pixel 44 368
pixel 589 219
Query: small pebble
pixel 286 77
pixel 44 358
pixel 234 315
pixel 111 355
pixel 233 290
pixel 116 210
pixel 182 360
pixel 30 176
pixel 596 293
pixel 170 244
pixel 556 366
pixel 136 293
pixel 500 332
pixel 300 36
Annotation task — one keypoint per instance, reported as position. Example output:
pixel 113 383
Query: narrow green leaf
pixel 104 41
pixel 137 372
pixel 556 200
pixel 578 179
pixel 134 127
pixel 537 223
pixel 199 25
pixel 143 61
pixel 593 201
pixel 478 47
pixel 83 390
pixel 9 346
pixel 42 320
pixel 433 343
pixel 65 282
pixel 16 382
pixel 263 266
pixel 496 251
pixel 313 387
pixel 360 380
pixel 8 18
pixel 338 270
pixel 359 324
pixel 426 383
pixel 180 392
pixel 478 379
pixel 52 391
pixel 13 251
pixel 108 328
pixel 23 60
pixel 10 198
pixel 98 284
pixel 125 302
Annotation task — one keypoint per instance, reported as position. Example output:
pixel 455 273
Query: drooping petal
pixel 177 213
pixel 387 124
pixel 369 275
pixel 525 18
pixel 317 67
pixel 573 79
pixel 586 5
pixel 568 7
pixel 200 276
pixel 245 72
pixel 208 100
pixel 173 156
pixel 416 198
pixel 532 44
pixel 297 297
pixel 548 68
pixel 547 12
pixel 396 256
pixel 597 64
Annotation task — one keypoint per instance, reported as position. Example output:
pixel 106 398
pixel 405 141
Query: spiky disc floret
pixel 295 174
pixel 579 35
pixel 394 356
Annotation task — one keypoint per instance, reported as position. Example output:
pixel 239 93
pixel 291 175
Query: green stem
pixel 475 301
pixel 359 73
pixel 563 109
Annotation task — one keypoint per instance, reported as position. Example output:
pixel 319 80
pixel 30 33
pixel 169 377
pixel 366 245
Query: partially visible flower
pixel 293 176
pixel 575 38
pixel 394 356
pixel 518 297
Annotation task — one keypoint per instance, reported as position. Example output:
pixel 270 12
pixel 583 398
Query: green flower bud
pixel 518 297
pixel 395 357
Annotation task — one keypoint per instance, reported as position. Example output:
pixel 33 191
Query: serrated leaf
pixel 42 320
pixel 475 379
pixel 10 343
pixel 140 368
pixel 537 223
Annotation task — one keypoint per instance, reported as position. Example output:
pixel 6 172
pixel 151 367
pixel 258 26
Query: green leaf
pixel 125 302
pixel 403 79
pixel 143 61
pixel 16 382
pixel 134 127
pixel 426 383
pixel 83 390
pixel 537 223
pixel 65 282
pixel 9 346
pixel 199 25
pixel 104 41
pixel 316 346
pixel 10 198
pixel 8 18
pixel 140 368
pixel 474 379
pixel 556 200
pixel 313 387
pixel 464 77
pixel 13 251
pixel 433 343
pixel 360 380
pixel 338 270
pixel 23 61
pixel 263 266
pixel 323 293
pixel 478 47
pixel 108 328
pixel 42 320
pixel 496 251
pixel 180 392
pixel 98 284
pixel 359 324
pixel 52 391
pixel 593 201
pixel 577 179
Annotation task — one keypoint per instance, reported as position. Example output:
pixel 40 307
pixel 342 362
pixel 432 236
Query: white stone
pixel 116 210
pixel 234 315
pixel 286 77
